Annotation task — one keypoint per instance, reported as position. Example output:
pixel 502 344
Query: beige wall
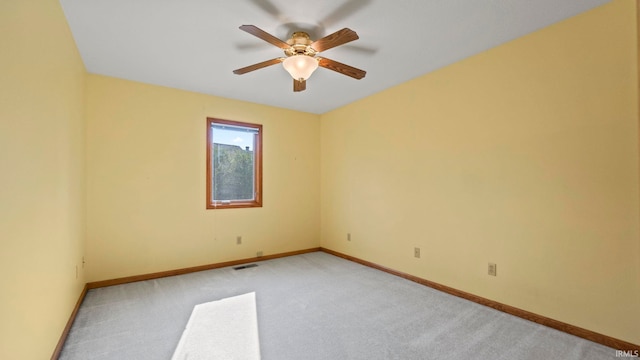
pixel 41 177
pixel 525 155
pixel 146 181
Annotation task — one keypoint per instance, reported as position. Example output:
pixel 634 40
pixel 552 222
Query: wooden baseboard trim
pixel 67 328
pixel 157 275
pixel 543 320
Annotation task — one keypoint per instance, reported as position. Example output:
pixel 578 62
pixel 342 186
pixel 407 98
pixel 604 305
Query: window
pixel 234 164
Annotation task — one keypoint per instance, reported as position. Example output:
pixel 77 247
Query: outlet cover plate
pixel 493 269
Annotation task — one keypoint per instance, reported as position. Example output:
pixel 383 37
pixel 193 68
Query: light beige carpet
pixel 315 307
pixel 226 329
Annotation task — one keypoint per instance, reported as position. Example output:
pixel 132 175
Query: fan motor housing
pixel 300 45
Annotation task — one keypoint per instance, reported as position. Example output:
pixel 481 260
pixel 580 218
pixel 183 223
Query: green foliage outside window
pixel 232 173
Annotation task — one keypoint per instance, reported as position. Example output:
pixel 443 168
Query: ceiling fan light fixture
pixel 300 51
pixel 300 66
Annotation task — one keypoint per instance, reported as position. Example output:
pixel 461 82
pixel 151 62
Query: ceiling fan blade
pixel 255 31
pixel 337 38
pixel 257 66
pixel 342 68
pixel 348 8
pixel 268 7
pixel 299 85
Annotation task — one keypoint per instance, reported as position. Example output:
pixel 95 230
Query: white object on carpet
pixel 224 329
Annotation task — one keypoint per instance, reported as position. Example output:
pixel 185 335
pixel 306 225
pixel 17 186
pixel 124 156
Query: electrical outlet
pixel 259 254
pixel 348 236
pixel 416 252
pixel 493 269
pixel 76 271
pixel 239 240
pixel 83 262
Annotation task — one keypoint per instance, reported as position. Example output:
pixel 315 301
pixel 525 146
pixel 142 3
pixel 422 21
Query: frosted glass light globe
pixel 300 66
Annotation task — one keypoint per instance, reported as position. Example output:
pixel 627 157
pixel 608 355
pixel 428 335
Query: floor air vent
pixel 245 266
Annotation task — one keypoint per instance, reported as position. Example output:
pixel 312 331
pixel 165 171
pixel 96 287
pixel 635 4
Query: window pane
pixel 234 164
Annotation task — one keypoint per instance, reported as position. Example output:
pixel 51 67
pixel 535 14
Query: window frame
pixel 257 167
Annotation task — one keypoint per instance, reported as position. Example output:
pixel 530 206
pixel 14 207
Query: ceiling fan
pixel 301 54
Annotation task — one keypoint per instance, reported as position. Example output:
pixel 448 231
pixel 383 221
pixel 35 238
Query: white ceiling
pixel 196 44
